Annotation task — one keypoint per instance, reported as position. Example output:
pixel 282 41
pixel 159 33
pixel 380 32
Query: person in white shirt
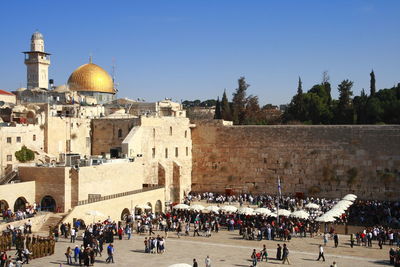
pixel 208 261
pixel 321 253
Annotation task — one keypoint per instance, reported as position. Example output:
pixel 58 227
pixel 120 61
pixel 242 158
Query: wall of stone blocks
pixel 323 161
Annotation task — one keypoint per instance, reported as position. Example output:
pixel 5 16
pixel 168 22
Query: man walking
pixel 73 235
pixel 208 261
pixel 285 254
pixel 336 239
pixel 321 253
pixel 110 252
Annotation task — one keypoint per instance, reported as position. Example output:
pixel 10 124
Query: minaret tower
pixel 37 63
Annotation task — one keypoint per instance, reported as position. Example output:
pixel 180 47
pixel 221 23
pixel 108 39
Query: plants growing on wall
pixel 25 154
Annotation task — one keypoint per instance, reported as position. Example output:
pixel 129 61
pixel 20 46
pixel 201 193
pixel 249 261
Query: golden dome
pixel 91 77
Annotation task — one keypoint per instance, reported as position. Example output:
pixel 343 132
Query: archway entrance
pixel 3 205
pixel 48 203
pixel 20 204
pixel 124 215
pixel 158 207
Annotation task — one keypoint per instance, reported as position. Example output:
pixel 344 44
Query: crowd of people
pixel 23 213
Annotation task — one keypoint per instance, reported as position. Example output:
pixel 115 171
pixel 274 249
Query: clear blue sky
pixel 195 49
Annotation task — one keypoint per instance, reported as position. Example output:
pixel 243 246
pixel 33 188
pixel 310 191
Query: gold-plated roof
pixel 91 77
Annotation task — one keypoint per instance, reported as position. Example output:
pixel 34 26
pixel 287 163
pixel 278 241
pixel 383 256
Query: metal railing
pixel 8 177
pixel 123 194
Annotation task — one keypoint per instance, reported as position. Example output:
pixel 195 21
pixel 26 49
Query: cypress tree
pixel 239 101
pixel 225 108
pixel 372 84
pixel 218 114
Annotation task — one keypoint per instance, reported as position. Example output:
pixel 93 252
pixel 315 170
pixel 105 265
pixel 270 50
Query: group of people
pixel 23 213
pixel 155 245
pixel 360 213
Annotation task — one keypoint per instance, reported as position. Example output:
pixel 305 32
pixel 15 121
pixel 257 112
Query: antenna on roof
pixel 113 74
pixel 90 58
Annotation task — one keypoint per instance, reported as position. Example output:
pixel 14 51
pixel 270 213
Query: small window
pixel 87 142
pixel 170 130
pixel 153 152
pixel 68 145
pixel 185 134
pixel 166 153
pixel 18 139
pixel 154 133
pixel 187 151
pixel 34 137
pixel 176 152
pixel 9 140
pixel 9 157
pixel 119 133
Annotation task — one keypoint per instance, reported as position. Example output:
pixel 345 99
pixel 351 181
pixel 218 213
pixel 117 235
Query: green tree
pixel 218 113
pixel 360 107
pixel 372 84
pixel 344 112
pixel 24 155
pixel 252 111
pixel 225 108
pixel 239 102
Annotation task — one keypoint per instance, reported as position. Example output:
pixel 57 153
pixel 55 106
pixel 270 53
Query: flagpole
pixel 279 197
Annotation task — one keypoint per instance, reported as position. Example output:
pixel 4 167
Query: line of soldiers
pixel 38 246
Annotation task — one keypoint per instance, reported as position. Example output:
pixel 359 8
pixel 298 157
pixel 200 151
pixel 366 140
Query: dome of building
pixel 37 36
pixel 91 78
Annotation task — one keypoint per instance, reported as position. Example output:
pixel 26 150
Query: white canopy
pixel 246 211
pixel 214 209
pixel 350 197
pixel 196 207
pixel 181 207
pixel 263 211
pixel 143 207
pixel 272 214
pixel 324 218
pixel 301 214
pixel 229 208
pixel 283 212
pixel 312 206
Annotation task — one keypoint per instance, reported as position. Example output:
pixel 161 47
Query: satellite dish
pixel 2 103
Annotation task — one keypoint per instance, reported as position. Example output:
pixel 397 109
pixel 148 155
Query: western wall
pixel 323 161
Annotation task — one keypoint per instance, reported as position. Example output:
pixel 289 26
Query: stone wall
pixel 9 193
pixel 328 161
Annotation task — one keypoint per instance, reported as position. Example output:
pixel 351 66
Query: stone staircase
pixel 53 220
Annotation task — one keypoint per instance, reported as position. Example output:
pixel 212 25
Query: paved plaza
pixel 226 249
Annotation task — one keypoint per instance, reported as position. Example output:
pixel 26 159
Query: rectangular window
pixel 170 130
pixel 34 137
pixel 166 153
pixel 187 151
pixel 176 152
pixel 153 152
pixel 18 139
pixel 87 142
pixel 9 157
pixel 185 134
pixel 68 146
pixel 9 140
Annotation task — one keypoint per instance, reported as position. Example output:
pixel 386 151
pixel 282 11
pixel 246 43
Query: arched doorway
pixel 151 206
pixel 48 203
pixel 3 205
pixel 158 207
pixel 124 214
pixel 20 204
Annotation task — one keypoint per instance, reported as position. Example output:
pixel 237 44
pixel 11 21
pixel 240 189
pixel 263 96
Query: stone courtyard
pixel 225 249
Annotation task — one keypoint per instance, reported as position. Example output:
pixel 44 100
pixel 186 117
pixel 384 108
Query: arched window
pixel 170 130
pixel 119 133
pixel 166 153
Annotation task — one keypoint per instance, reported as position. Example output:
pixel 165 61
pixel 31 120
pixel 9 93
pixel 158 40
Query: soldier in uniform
pixel 2 243
pixel 42 247
pixel 9 241
pixel 52 245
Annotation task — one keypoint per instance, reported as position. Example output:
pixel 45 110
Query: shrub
pixel 25 154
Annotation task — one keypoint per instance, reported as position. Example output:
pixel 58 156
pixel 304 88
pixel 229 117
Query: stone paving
pixel 226 249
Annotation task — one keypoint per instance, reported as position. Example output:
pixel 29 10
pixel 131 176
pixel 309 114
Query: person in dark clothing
pixel 336 239
pixel 321 253
pixel 279 252
pixel 195 263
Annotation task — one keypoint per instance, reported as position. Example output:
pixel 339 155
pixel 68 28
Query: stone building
pixel 7 98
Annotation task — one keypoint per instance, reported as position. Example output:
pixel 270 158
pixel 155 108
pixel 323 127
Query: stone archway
pixel 124 214
pixel 48 203
pixel 20 204
pixel 3 205
pixel 150 205
pixel 158 207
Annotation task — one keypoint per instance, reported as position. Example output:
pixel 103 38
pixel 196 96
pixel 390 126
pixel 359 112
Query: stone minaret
pixel 37 63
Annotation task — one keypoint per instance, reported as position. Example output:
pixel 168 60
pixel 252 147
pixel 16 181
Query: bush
pixel 25 154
